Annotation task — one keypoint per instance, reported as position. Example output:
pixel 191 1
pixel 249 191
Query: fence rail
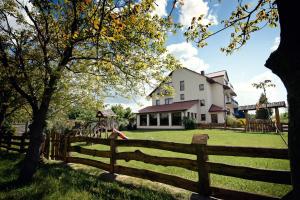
pixel 59 147
pixel 199 148
pixel 14 143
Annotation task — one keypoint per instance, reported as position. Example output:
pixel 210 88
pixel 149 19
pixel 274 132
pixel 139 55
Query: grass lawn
pixel 54 181
pixel 216 137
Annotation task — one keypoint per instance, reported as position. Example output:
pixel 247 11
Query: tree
pixel 284 61
pixel 263 113
pixel 10 100
pixel 118 43
pixel 125 117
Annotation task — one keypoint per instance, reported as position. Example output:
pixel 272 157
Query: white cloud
pixel 275 44
pixel 188 56
pixel 160 8
pixel 247 94
pixel 192 8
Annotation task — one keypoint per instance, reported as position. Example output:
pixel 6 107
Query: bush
pixel 234 122
pixel 189 123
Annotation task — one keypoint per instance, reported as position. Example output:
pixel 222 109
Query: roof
pixel 215 108
pixel 207 76
pixel 217 74
pixel 269 105
pixel 176 106
pixel 106 113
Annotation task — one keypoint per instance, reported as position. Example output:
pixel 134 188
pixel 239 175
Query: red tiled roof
pixel 215 108
pixel 184 105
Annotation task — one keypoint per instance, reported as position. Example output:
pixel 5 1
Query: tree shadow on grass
pixel 60 181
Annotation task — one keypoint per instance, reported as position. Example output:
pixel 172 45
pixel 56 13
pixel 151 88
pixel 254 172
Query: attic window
pixel 201 87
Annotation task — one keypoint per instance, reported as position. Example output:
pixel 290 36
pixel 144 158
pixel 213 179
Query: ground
pixel 57 181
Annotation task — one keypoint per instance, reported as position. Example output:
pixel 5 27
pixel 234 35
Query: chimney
pixel 202 73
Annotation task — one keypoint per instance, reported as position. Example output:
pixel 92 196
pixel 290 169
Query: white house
pixel 206 98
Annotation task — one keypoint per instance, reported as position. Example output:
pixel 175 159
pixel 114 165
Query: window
pixel 201 87
pixel 196 116
pixel 214 118
pixel 157 102
pixel 164 119
pixel 181 96
pixel 168 100
pixel 181 85
pixel 143 120
pixel 188 114
pixel 202 102
pixel 153 119
pixel 176 119
pixel 203 117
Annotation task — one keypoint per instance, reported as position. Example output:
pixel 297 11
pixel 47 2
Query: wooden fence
pixel 14 143
pixel 201 165
pixel 256 125
pixel 59 146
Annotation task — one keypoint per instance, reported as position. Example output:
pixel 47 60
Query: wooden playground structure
pixel 263 125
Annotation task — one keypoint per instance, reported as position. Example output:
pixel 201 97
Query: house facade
pixel 206 98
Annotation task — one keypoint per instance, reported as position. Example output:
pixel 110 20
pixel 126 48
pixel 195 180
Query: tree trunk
pixel 30 163
pixel 285 62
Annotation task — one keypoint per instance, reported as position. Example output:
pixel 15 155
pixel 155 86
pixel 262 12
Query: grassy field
pixel 54 181
pixel 216 137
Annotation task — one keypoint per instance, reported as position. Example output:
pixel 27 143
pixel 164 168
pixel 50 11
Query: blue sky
pixel 244 67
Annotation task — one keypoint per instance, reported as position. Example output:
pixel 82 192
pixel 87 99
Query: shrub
pixel 234 122
pixel 189 123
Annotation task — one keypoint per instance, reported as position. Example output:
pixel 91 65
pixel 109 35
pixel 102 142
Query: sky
pixel 244 67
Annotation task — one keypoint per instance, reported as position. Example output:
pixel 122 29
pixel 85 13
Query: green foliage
pixel 234 122
pixel 81 51
pixel 189 123
pixel 7 128
pixel 243 22
pixel 79 113
pixel 263 113
pixel 125 118
pixel 284 117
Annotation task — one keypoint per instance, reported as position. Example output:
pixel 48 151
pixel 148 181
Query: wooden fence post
pixel 47 146
pixel 113 151
pixel 22 144
pixel 52 145
pixel 66 148
pixel 8 142
pixel 200 142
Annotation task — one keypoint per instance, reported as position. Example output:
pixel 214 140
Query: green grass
pixel 57 181
pixel 54 181
pixel 216 137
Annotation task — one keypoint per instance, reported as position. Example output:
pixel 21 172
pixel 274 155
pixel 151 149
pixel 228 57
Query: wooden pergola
pixel 275 105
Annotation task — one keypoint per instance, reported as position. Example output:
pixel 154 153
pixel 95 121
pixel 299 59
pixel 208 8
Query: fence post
pixel 200 142
pixel 66 148
pixel 22 144
pixel 113 151
pixel 52 145
pixel 8 142
pixel 47 145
